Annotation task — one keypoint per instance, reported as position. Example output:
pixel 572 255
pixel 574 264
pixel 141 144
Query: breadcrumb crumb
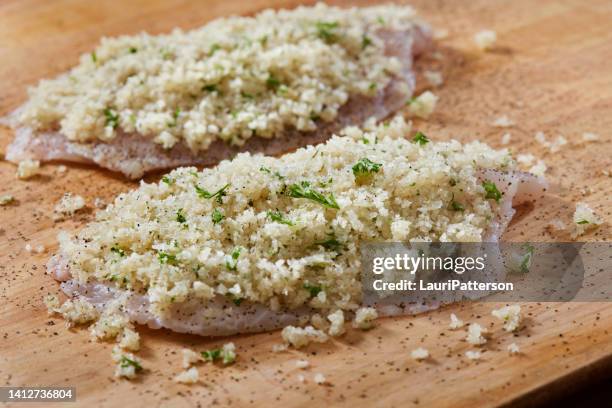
pixel 513 348
pixel 299 337
pixel 27 169
pixel 455 322
pixel 190 376
pixel 319 378
pixel 485 39
pixel 364 318
pixel 585 219
pixel 510 315
pixel 423 105
pixel 473 355
pixel 419 353
pixel 475 334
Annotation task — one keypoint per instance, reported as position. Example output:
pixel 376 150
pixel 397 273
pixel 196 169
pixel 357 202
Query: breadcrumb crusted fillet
pixel 258 242
pixel 145 102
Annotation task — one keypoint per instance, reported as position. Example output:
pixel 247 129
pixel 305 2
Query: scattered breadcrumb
pixel 27 169
pixel 440 34
pixel 128 365
pixel 299 337
pixel 419 353
pixel 39 249
pixel 539 169
pixel 337 323
pixel 557 224
pixel 506 138
pixel 6 199
pixel 319 322
pixel 319 378
pixel 434 78
pixel 302 364
pixel 525 159
pixel 503 122
pixel 277 348
pixel 590 137
pixel 99 203
pixel 485 39
pixel 455 322
pixel 69 204
pixel 475 334
pixel 129 339
pixel 513 348
pixel 473 355
pixel 228 353
pixel 190 376
pixel 77 311
pixel 52 303
pixel 28 248
pixel 364 318
pixel 62 169
pixel 301 378
pixel 511 315
pixel 190 357
pixel 585 219
pixel 423 105
pixel 553 146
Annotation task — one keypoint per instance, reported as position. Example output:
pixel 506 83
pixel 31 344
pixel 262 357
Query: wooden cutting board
pixel 551 72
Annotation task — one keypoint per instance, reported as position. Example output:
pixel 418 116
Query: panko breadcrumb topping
pixel 231 79
pixel 285 232
pixel 476 334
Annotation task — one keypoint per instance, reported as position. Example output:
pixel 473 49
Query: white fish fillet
pixel 222 317
pixel 134 155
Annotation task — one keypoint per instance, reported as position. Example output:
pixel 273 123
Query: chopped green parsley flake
pixel 365 167
pixel 112 118
pixel 115 248
pixel 166 258
pixel 278 217
pixel 314 290
pixel 125 362
pixel 491 190
pixel 420 138
pixel 326 31
pixel 167 180
pixel 180 216
pixel 219 194
pixel 217 216
pixel 231 265
pixel 305 190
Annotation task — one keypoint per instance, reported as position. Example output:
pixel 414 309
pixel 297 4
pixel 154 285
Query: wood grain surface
pixel 551 71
